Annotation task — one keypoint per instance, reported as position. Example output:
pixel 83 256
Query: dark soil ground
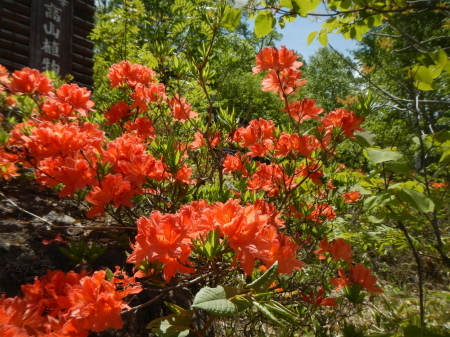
pixel 30 214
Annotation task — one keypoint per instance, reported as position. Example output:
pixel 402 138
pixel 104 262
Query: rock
pixel 59 220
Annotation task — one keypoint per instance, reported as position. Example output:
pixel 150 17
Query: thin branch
pixel 23 210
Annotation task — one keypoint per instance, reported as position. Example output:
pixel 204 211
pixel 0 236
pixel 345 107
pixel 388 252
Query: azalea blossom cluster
pixel 251 231
pixel 142 162
pixel 337 250
pixel 284 77
pixel 67 305
pixel 69 152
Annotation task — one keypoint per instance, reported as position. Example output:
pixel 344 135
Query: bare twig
pixel 23 210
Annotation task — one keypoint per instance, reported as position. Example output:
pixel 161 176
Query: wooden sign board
pixel 48 35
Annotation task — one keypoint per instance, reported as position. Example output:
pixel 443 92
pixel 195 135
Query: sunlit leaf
pixel 172 325
pixel 262 284
pixel 232 19
pixel 382 155
pixel 311 37
pixel 323 37
pixel 302 7
pixel 416 199
pixel 215 300
pixel 264 23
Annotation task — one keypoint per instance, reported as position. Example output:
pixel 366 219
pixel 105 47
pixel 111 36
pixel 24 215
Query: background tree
pixel 330 79
pixel 163 34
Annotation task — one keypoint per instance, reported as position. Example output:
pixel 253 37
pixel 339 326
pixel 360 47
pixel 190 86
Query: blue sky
pixel 296 33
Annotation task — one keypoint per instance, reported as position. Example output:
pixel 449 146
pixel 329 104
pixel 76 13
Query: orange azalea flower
pixel 68 305
pixel 125 73
pixel 124 284
pixel 337 248
pixel 286 82
pixel 303 110
pixel 283 250
pixel 304 144
pixel 143 126
pixel 93 304
pixel 272 58
pixel 144 96
pixel 318 299
pixel 439 185
pixel 258 135
pixel 75 173
pixel 266 178
pixel 312 171
pixel 183 175
pixel 242 233
pixel 12 317
pixel 77 97
pixel 199 140
pixel 123 148
pixel 48 139
pixel 235 163
pixel 7 167
pixel 112 188
pixel 317 213
pixel 57 238
pixel 55 110
pixel 181 110
pixel 352 196
pixel 345 119
pixel 164 238
pixel 30 81
pixel 117 112
pixel 4 75
pixel 358 274
pixel 322 211
pixel 268 209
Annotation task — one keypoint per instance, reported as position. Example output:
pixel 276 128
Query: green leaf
pixel 262 283
pixel 290 17
pixel 376 218
pixel 399 168
pixel 382 155
pixel 439 57
pixel 446 68
pixel 384 198
pixel 281 23
pixel 425 86
pixel 177 310
pixel 416 199
pixel 311 37
pixel 266 312
pixel 364 139
pixel 323 37
pixel 438 138
pixel 232 18
pixel 215 300
pixel 302 7
pixel 415 331
pixel 400 216
pixel 172 325
pixel 344 5
pixel 313 4
pixel 445 158
pixel 287 3
pixel 282 311
pixel 264 23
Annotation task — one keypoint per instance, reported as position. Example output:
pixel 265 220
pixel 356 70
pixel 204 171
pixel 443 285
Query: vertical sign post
pixel 51 36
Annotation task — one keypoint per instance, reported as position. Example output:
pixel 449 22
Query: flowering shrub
pixel 69 304
pixel 209 197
